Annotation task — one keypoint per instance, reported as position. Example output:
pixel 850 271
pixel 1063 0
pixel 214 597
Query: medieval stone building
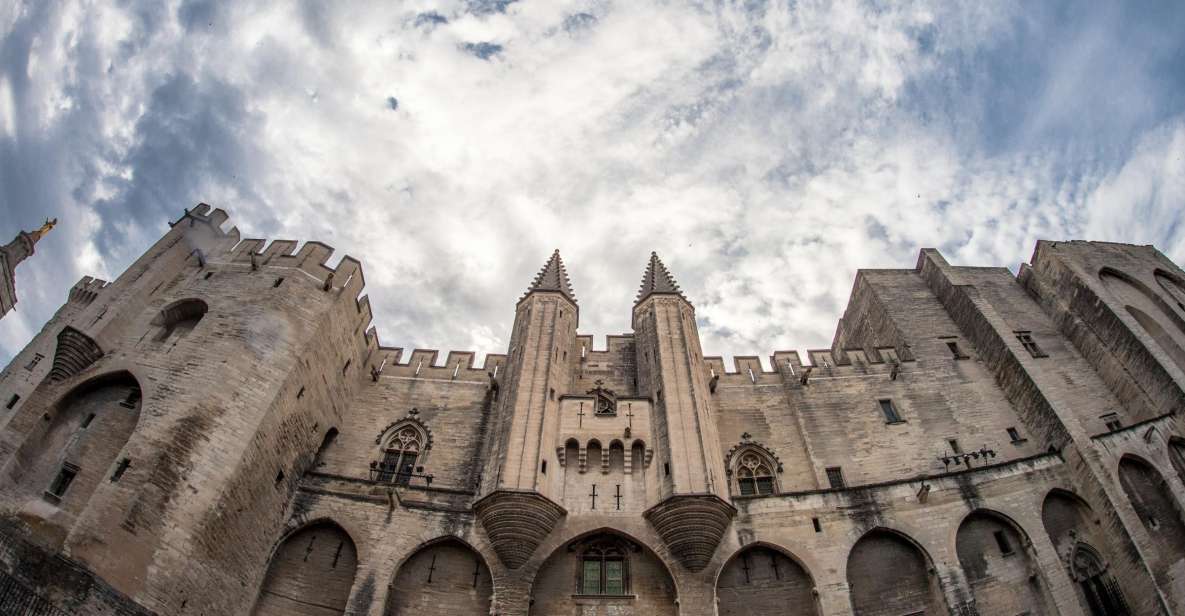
pixel 219 431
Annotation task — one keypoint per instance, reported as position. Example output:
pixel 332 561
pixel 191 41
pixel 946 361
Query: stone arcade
pixel 219 431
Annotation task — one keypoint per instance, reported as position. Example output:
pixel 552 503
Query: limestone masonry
pixel 219 431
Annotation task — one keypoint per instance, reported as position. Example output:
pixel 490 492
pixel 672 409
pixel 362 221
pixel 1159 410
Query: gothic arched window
pixel 604 569
pixel 400 454
pixel 754 474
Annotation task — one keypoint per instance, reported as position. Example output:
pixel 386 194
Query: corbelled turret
pixel 692 512
pixel 514 506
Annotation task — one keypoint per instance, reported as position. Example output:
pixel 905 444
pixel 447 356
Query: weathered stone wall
pixel 252 447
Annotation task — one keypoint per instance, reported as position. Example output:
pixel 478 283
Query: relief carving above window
pixel 605 400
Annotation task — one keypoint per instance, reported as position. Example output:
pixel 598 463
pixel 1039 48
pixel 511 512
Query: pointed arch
pixel 65 459
pixel 179 318
pixel 624 571
pixel 890 574
pixel 444 575
pixel 1162 337
pixel 1158 510
pixel 997 557
pixel 763 578
pixel 1171 285
pixel 311 571
pixel 752 470
pixel 1148 309
pixel 1070 523
pixel 403 447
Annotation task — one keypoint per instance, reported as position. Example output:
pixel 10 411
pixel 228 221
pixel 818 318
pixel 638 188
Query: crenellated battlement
pixel 311 259
pixel 425 364
pixel 750 369
pixel 615 344
pixel 208 215
pixel 86 290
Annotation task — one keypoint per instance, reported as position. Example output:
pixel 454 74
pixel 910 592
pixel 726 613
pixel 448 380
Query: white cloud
pixel 766 150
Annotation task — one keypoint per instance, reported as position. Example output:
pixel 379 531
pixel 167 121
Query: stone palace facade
pixel 219 431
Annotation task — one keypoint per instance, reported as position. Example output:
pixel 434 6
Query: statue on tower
pixel 11 254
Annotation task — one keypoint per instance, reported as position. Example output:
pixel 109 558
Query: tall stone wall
pixel 238 441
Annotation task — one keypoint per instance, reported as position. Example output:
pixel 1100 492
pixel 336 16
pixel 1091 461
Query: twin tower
pixel 686 492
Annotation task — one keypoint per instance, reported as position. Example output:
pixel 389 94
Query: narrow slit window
pixel 86 423
pixel 954 350
pixel 1002 542
pixel 890 411
pixel 954 445
pixel 666 468
pixel 279 281
pixel 12 401
pixel 815 523
pixel 835 477
pixel 37 357
pixel 346 367
pixel 1014 435
pixel 207 276
pixel 543 467
pixel 279 478
pixel 120 469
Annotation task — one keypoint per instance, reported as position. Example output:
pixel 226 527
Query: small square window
pixel 1026 340
pixel 62 482
pixel 1112 421
pixel 1014 435
pixel 954 349
pixel 835 477
pixel 890 411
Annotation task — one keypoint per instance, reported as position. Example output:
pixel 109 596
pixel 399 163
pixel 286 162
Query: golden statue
pixel 40 233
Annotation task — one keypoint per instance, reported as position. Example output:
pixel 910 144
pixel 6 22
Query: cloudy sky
pixel 766 150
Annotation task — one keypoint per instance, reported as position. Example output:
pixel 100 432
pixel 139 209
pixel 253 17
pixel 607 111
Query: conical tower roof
pixel 553 277
pixel 657 279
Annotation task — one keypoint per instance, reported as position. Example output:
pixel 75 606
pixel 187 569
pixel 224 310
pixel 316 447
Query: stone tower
pixel 672 372
pixel 515 506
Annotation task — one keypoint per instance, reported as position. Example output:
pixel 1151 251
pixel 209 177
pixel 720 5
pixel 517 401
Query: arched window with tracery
pixel 403 449
pixel 754 474
pixel 604 569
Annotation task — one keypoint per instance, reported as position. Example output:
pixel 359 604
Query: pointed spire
pixel 553 277
pixel 657 280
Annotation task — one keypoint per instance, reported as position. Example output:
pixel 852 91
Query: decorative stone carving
pixel 517 522
pixel 691 526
